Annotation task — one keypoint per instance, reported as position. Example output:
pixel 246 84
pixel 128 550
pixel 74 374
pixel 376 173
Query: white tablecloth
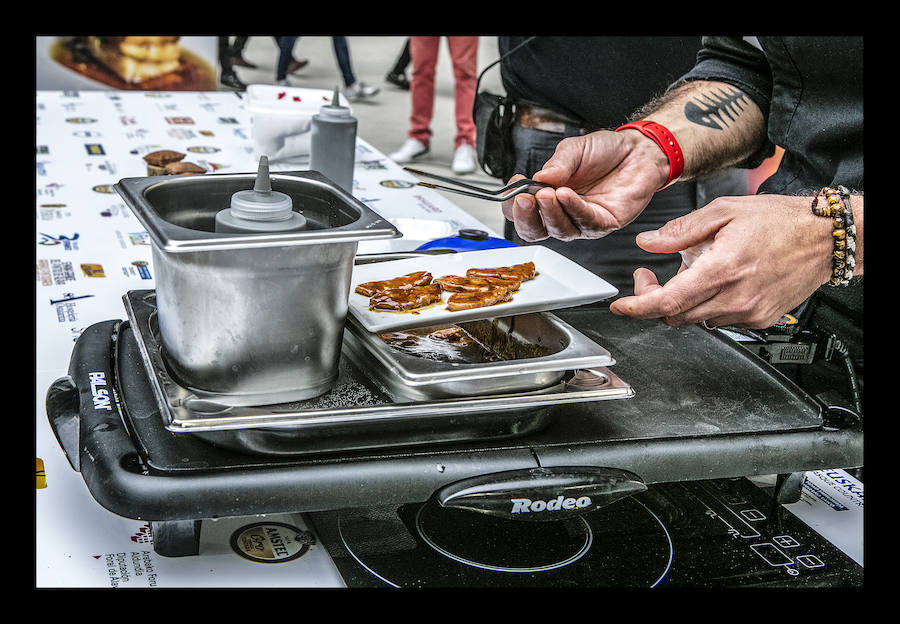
pixel 91 250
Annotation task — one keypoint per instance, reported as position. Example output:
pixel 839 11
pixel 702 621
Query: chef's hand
pixel 602 181
pixel 769 253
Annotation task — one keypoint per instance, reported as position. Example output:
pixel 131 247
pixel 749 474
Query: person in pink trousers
pixel 464 57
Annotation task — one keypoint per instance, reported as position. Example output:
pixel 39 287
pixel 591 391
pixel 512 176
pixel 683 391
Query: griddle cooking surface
pixel 688 382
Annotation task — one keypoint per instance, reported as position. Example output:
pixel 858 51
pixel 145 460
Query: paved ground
pixel 384 120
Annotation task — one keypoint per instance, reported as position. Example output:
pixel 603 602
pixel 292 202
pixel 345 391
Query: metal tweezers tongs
pixel 525 185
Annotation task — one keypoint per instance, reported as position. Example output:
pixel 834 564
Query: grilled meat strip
pixel 406 298
pixel 519 272
pixel 478 299
pixel 452 334
pixel 456 283
pixel 419 278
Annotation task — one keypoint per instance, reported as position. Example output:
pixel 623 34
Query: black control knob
pixel 473 234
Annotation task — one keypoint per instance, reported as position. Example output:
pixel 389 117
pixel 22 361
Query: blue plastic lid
pixel 468 240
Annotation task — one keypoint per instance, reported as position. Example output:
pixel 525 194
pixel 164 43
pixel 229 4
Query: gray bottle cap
pixel 262 203
pixel 334 109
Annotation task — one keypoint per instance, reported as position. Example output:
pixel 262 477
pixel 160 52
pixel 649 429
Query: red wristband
pixel 667 143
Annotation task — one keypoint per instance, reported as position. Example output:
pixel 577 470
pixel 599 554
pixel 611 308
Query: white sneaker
pixel 359 91
pixel 412 148
pixel 463 159
pixel 282 83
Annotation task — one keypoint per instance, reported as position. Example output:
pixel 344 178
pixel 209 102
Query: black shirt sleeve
pixel 735 61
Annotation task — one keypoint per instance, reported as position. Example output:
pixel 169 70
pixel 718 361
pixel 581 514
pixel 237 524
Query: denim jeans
pixel 341 53
pixel 615 256
pixel 285 54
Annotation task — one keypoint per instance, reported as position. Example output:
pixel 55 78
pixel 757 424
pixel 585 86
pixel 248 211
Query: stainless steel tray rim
pixel 173 238
pixel 323 237
pixel 535 365
pixel 183 420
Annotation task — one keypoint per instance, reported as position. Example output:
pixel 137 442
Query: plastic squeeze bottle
pixel 333 143
pixel 260 209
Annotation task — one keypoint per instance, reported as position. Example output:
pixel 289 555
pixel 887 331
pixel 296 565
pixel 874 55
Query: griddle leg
pixel 176 538
pixel 788 487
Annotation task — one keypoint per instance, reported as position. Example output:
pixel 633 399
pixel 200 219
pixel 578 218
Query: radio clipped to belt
pixel 494 116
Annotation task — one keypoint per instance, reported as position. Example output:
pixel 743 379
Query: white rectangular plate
pixel 559 283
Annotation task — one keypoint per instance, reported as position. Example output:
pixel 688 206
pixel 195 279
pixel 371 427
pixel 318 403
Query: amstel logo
pixel 271 542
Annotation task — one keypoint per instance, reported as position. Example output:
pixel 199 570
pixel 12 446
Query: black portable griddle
pixel 703 408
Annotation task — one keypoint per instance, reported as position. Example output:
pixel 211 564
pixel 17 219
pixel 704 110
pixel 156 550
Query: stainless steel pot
pixel 253 319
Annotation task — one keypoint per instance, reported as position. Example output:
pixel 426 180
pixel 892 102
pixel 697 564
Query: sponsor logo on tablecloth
pixel 271 542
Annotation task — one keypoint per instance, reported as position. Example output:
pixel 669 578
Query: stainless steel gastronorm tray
pixel 353 401
pixel 258 317
pixel 534 351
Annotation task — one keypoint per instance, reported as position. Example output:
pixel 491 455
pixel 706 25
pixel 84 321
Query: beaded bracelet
pixel 843 256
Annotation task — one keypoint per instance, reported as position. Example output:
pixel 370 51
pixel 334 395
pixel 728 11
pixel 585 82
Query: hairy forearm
pixel 716 125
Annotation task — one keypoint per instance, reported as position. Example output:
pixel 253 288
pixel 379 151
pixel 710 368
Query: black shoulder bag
pixel 494 115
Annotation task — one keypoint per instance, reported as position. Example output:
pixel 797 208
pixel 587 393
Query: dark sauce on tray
pixel 475 342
